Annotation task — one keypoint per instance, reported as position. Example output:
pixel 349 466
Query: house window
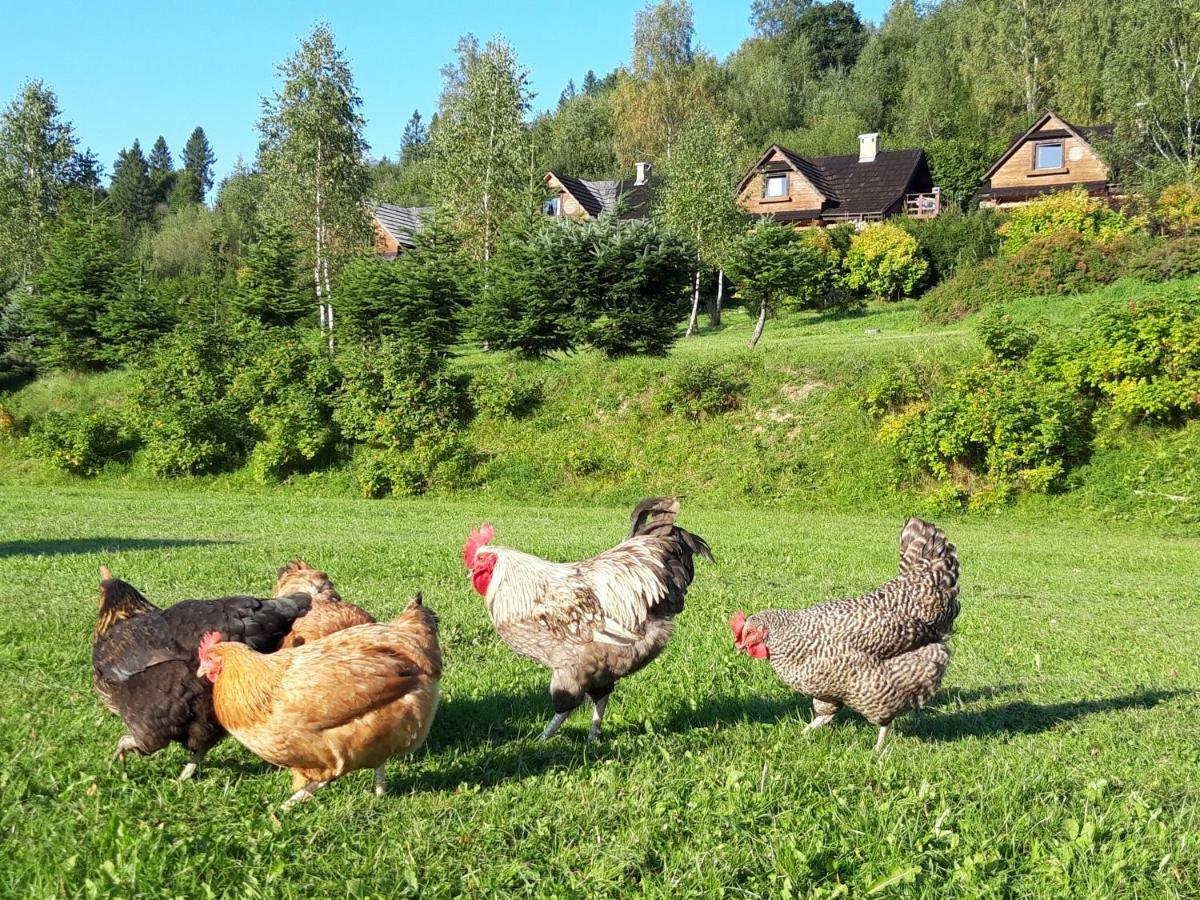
pixel 775 186
pixel 1048 156
pixel 551 206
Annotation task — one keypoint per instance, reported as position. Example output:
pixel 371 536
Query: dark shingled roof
pixel 629 199
pixel 401 222
pixel 852 188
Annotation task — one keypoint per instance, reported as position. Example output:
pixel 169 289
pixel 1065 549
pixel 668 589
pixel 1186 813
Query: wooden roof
pixel 401 222
pixel 627 198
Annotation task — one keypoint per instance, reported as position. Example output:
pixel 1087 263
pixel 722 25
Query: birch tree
pixel 480 147
pixel 36 149
pixel 698 198
pixel 312 161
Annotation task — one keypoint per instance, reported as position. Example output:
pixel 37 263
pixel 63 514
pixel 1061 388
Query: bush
pixel 968 291
pixel 188 420
pixel 83 444
pixel 1073 211
pixel 698 390
pixel 505 393
pixel 402 406
pixel 1062 263
pixel 418 298
pixel 1006 340
pixel 1166 260
pixel 883 261
pixel 953 241
pixel 270 286
pixel 1177 211
pixel 1011 428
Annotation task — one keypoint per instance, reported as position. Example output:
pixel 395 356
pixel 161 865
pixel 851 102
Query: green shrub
pixel 400 404
pixel 969 290
pixel 698 390
pixel 1166 260
pixel 189 422
pixel 1177 211
pixel 271 287
pixel 1008 341
pixel 1003 428
pixel 83 444
pixel 1065 262
pixel 1073 211
pixel 1144 356
pixel 883 260
pixel 505 393
pixel 953 241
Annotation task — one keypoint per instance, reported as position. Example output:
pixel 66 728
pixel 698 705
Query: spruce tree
pixel 415 140
pixel 590 83
pixel 131 191
pixel 269 282
pixel 568 93
pixel 161 170
pixel 198 160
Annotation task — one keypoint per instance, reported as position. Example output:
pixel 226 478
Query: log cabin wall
pixel 1081 164
pixel 801 194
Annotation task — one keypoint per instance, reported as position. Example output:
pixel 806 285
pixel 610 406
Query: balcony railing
pixel 923 206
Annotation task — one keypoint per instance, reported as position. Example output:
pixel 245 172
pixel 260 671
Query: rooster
pixel 881 654
pixel 329 611
pixel 348 701
pixel 144 662
pixel 591 622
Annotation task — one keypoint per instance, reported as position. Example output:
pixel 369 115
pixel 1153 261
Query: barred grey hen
pixel 881 654
pixel 595 621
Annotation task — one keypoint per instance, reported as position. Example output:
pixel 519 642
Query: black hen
pixel 144 661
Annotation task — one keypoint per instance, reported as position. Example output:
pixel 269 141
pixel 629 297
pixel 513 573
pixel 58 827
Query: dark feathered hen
pixel 591 622
pixel 881 654
pixel 144 661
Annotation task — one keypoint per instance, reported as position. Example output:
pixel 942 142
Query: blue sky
pixel 139 69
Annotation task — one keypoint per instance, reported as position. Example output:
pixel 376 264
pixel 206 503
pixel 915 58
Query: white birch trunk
pixel 692 321
pixel 758 326
pixel 716 316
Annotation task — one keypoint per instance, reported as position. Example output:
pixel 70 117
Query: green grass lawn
pixel 1061 757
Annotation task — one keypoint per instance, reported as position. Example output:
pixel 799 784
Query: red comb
pixel 736 624
pixel 210 640
pixel 478 538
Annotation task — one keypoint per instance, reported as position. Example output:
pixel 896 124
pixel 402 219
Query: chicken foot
pixel 126 743
pixel 190 769
pixel 554 725
pixel 823 713
pixel 597 718
pixel 883 732
pixel 305 793
pixel 380 782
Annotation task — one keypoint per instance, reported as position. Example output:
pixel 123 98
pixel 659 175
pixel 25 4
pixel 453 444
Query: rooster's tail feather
pixel 926 554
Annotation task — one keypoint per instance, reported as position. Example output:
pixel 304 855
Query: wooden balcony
pixel 923 206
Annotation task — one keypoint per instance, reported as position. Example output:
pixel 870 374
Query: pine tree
pixel 568 93
pixel 269 282
pixel 161 169
pixel 198 159
pixel 312 160
pixel 36 148
pixel 131 191
pixel 415 140
pixel 590 83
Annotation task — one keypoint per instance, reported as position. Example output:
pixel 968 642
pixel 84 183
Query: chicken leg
pixel 883 731
pixel 305 793
pixel 824 711
pixel 126 743
pixel 190 769
pixel 554 725
pixel 380 782
pixel 597 718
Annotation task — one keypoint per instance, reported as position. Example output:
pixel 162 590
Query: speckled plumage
pixel 881 654
pixel 144 660
pixel 598 620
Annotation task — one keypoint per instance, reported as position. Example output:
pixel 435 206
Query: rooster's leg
pixel 818 721
pixel 597 718
pixel 380 782
pixel 823 713
pixel 883 730
pixel 305 793
pixel 190 769
pixel 554 725
pixel 124 745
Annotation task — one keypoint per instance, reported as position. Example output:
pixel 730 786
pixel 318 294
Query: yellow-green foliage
pixel 1071 210
pixel 1178 209
pixel 884 261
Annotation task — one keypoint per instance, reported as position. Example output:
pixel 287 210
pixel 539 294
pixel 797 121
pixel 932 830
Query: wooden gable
pixel 801 196
pixel 1080 162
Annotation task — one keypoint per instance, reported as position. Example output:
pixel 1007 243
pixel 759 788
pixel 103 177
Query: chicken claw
pixel 380 782
pixel 124 745
pixel 305 793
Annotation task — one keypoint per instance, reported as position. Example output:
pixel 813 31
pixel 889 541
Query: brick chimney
pixel 868 146
pixel 643 172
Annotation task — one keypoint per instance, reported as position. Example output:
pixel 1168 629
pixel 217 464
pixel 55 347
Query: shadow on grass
pixel 1023 717
pixel 492 719
pixel 97 545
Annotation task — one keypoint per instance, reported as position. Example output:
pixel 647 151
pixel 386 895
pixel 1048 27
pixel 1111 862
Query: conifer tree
pixel 131 191
pixel 415 140
pixel 161 169
pixel 269 282
pixel 198 160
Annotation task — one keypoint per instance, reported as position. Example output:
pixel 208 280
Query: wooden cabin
pixel 395 228
pixel 1053 155
pixel 819 191
pixel 579 198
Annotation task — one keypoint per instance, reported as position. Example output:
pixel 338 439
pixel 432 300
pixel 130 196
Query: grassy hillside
pixel 791 431
pixel 1059 758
